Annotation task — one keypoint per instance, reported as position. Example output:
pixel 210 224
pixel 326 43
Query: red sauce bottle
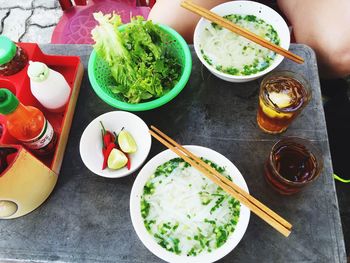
pixel 27 124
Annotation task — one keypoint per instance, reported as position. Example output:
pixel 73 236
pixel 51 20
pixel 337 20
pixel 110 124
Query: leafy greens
pixel 139 60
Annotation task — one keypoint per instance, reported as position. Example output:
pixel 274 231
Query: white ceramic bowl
pixel 91 142
pixel 264 12
pixel 148 240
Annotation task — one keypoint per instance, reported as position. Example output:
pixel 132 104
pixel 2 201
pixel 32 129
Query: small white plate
pixel 91 142
pixel 137 220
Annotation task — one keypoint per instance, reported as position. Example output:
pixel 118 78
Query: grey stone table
pixel 86 219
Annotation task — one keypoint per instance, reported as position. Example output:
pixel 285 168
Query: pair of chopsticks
pixel 240 31
pixel 265 213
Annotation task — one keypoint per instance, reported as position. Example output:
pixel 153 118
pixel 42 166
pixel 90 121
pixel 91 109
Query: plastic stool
pixel 77 22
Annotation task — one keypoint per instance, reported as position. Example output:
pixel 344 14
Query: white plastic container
pixel 49 87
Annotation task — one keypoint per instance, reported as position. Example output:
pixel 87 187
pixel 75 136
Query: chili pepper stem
pixel 121 130
pixel 103 128
pixel 116 138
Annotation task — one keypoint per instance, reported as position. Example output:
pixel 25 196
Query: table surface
pixel 86 218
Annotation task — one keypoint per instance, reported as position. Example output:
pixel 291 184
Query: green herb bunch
pixel 139 59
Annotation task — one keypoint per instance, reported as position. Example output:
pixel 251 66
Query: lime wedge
pixel 282 100
pixel 116 159
pixel 126 142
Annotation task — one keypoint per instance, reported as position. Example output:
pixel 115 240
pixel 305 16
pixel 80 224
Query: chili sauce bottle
pixel 27 124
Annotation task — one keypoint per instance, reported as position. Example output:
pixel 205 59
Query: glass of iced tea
pixel 292 164
pixel 283 95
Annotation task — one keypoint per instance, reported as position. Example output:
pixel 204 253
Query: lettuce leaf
pixel 140 62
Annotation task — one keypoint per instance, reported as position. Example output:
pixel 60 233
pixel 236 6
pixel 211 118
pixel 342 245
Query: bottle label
pixel 43 139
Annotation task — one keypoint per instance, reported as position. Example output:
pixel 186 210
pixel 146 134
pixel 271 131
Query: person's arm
pixel 324 26
pixel 170 12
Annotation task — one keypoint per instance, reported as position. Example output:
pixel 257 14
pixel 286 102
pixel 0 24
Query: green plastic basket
pixel 100 76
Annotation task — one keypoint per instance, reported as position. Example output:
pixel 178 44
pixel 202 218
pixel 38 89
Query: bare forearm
pixel 323 25
pixel 170 12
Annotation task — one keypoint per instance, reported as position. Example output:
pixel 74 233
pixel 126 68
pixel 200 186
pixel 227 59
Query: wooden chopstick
pixel 262 211
pixel 227 181
pixel 211 16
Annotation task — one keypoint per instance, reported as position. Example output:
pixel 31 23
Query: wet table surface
pixel 86 218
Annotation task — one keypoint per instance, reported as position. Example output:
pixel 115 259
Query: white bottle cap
pixel 37 71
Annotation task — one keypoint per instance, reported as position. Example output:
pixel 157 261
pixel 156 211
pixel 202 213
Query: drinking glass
pixel 283 95
pixel 292 164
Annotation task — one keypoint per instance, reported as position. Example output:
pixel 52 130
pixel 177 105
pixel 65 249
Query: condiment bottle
pixel 12 57
pixel 27 124
pixel 49 87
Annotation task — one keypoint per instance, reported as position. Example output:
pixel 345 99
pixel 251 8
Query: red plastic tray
pixel 19 84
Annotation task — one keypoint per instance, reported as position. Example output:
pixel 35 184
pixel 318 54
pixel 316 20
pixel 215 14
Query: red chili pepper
pixel 106 153
pixel 103 146
pixel 107 136
pixel 104 165
pixel 128 164
pixel 103 143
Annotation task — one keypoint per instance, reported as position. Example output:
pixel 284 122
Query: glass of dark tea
pixel 292 164
pixel 283 95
